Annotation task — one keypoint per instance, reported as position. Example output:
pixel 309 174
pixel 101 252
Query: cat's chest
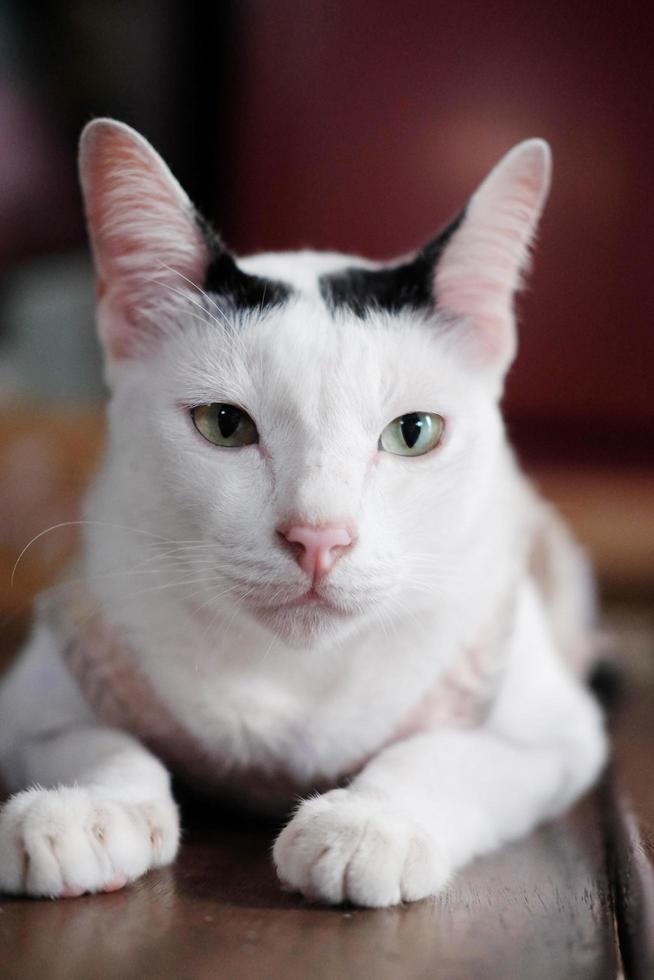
pixel 310 728
pixel 265 740
pixel 259 728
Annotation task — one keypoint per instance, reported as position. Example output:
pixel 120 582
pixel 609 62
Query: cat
pixel 311 566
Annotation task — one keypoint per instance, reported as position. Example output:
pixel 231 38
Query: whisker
pixel 171 585
pixel 56 527
pixel 237 603
pixel 213 598
pixel 197 287
pixel 192 301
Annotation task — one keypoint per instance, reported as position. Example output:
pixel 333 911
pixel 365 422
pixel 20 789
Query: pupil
pixel 411 427
pixel 228 420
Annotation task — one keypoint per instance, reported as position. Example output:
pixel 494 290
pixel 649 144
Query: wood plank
pixel 629 796
pixel 539 909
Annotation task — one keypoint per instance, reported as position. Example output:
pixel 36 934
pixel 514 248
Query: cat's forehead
pixel 303 272
pixel 300 351
pixel 347 283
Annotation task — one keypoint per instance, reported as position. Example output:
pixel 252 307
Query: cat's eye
pixel 224 425
pixel 412 435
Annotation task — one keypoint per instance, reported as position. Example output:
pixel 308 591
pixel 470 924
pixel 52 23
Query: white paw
pixel 67 841
pixel 344 846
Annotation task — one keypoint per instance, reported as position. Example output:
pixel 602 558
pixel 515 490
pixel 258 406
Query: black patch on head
pixel 391 288
pixel 224 278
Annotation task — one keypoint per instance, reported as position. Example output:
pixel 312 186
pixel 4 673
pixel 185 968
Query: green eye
pixel 224 425
pixel 413 434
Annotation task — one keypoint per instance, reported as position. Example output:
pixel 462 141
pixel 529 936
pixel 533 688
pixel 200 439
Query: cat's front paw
pixel 64 842
pixel 345 846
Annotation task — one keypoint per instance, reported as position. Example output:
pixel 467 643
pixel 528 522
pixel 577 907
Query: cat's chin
pixel 305 621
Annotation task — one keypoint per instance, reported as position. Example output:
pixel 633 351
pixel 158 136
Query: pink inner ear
pixel 145 237
pixel 480 270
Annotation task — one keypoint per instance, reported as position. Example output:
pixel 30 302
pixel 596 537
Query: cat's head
pixel 325 428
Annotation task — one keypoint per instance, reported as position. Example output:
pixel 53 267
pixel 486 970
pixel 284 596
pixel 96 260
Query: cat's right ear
pixel 146 240
pixel 481 265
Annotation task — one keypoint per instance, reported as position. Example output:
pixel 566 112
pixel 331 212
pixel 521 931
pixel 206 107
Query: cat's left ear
pixel 480 267
pixel 146 240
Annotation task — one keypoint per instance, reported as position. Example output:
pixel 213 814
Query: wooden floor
pixel 574 900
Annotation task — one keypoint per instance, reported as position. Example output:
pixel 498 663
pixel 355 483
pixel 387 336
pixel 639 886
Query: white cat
pixel 310 561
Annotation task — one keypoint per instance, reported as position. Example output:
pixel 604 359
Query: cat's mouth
pixel 310 598
pixel 333 602
pixel 301 619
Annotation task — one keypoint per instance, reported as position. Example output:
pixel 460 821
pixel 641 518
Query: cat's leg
pixel 425 806
pixel 92 808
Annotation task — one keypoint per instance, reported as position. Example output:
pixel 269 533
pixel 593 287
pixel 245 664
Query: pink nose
pixel 320 547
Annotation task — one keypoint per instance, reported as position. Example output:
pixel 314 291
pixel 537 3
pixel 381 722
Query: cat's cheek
pixel 223 492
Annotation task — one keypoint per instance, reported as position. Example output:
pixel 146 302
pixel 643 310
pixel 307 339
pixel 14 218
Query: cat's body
pixel 302 611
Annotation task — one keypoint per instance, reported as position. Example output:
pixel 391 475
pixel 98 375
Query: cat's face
pixel 328 435
pixel 321 393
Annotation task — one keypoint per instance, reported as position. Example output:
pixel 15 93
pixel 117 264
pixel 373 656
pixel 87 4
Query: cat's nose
pixel 319 548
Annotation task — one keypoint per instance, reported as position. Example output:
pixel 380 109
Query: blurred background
pixel 359 125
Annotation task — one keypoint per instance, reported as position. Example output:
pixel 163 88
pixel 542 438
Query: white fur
pixel 182 556
pixel 71 840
